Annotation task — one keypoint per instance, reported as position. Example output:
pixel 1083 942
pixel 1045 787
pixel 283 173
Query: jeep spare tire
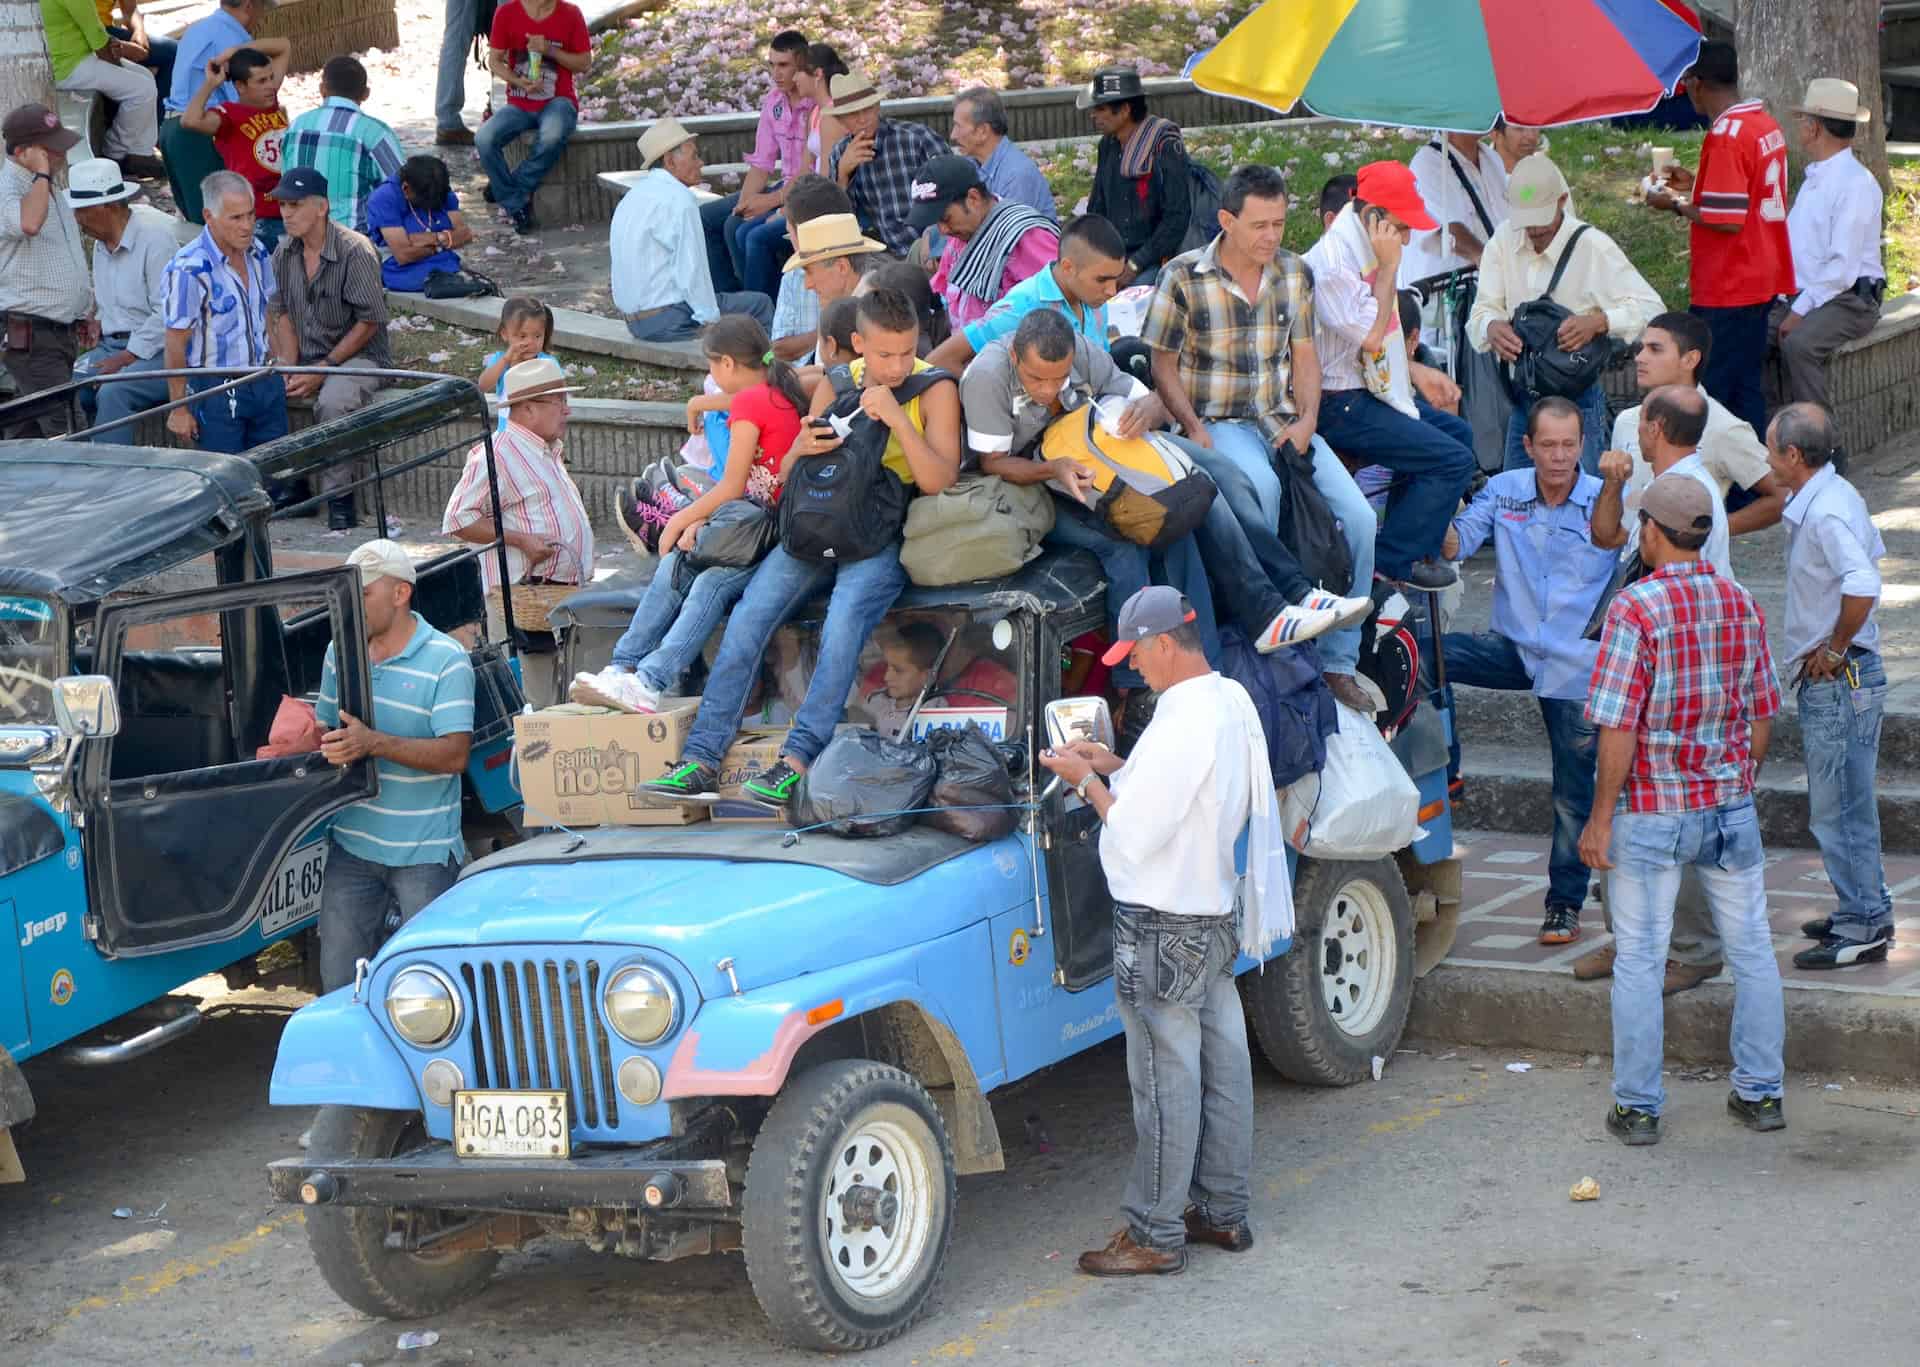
pixel 1340 997
pixel 849 1206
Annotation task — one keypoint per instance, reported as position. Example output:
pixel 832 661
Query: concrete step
pixel 1509 787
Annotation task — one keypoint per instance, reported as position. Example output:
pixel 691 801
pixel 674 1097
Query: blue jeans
pixel 756 247
pixel 861 592
pixel 1189 1070
pixel 240 419
pixel 551 127
pixel 669 626
pixel 1840 730
pixel 118 400
pixel 1129 568
pixel 675 323
pixel 1481 659
pixel 1736 365
pixel 1246 447
pixel 355 898
pixel 1432 455
pixel 1595 431
pixel 450 90
pixel 716 222
pixel 1649 850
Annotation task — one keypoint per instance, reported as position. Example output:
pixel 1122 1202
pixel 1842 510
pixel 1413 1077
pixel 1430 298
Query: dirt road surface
pixel 1422 1219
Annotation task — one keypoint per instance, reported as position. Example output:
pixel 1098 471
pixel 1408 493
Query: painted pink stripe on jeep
pixel 761 1077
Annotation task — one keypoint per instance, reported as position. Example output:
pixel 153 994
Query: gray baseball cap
pixel 1153 611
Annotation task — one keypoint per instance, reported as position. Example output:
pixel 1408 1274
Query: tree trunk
pixel 26 77
pixel 1783 44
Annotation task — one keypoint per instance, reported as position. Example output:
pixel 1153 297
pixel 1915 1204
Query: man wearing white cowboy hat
pixel 135 243
pixel 1834 226
pixel 833 256
pixel 876 160
pixel 662 284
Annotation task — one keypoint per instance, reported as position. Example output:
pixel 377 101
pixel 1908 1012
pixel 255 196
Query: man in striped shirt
pixel 401 847
pixel 354 151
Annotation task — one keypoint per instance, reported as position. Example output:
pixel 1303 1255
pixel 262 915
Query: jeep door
pixel 1082 907
pixel 187 831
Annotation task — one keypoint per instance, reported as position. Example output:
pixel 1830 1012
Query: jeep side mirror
pixel 1072 719
pixel 85 706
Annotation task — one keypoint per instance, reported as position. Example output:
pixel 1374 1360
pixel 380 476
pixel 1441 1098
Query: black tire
pixel 349 1242
pixel 1301 1035
pixel 807 1300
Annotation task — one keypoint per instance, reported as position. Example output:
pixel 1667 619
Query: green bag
pixel 979 528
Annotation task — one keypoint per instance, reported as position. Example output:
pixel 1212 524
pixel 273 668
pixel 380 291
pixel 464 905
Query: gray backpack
pixel 980 528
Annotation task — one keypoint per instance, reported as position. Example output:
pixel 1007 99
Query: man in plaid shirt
pixel 1684 695
pixel 354 151
pixel 876 160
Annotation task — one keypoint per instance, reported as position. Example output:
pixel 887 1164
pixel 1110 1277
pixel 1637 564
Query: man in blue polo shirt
pixel 401 847
pixel 1078 284
pixel 1550 577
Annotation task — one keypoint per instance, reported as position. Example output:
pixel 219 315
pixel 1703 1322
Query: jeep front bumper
pixel 433 1177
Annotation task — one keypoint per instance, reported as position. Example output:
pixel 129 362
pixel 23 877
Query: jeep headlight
pixel 640 1004
pixel 423 1007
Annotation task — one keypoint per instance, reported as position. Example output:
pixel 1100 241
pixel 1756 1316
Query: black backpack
pixel 1206 191
pixel 1544 370
pixel 845 505
pixel 1316 537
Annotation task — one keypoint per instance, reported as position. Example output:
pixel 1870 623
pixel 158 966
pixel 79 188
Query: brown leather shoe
pixel 1681 976
pixel 1597 964
pixel 142 167
pixel 1233 1238
pixel 453 137
pixel 1347 690
pixel 1122 1257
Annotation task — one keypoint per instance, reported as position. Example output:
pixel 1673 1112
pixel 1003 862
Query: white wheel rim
pixel 874 1260
pixel 1357 959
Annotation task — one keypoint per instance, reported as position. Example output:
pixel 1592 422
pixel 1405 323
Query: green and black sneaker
pixel 1763 1115
pixel 774 785
pixel 687 781
pixel 1633 1127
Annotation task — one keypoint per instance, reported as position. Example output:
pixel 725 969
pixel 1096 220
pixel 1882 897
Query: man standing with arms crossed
pixel 1684 697
pixel 1833 585
pixel 1172 814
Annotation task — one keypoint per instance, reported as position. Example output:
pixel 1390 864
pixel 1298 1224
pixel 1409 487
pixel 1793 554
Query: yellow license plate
pixel 510 1124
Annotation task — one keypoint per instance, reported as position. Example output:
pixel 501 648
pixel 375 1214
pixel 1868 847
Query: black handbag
pixel 736 535
pixel 1543 369
pixel 1625 571
pixel 460 284
pixel 1308 526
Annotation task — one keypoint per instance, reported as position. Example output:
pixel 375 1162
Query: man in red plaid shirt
pixel 1684 695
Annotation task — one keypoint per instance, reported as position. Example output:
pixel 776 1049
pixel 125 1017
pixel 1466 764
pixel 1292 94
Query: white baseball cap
pixel 382 559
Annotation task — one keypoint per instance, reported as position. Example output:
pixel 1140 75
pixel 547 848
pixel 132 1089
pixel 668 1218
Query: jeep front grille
pixel 536 1024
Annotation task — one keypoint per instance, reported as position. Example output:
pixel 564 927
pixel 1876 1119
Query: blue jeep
pixel 146 647
pixel 732 1037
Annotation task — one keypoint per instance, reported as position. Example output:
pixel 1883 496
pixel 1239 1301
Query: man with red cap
pixel 1369 410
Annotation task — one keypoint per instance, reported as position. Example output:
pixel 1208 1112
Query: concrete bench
pixel 617 183
pixel 572 330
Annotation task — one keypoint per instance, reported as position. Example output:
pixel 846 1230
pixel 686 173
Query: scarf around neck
pixel 1138 153
pixel 984 260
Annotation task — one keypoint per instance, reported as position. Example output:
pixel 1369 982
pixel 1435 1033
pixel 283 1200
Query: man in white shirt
pixel 1196 779
pixel 1674 350
pixel 661 283
pixel 132 245
pixel 1464 187
pixel 1833 661
pixel 1834 227
pixel 1599 286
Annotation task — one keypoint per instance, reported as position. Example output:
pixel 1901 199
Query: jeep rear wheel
pixel 1341 995
pixel 350 1242
pixel 849 1206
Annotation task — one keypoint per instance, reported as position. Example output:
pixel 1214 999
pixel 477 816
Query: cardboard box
pixel 750 752
pixel 580 766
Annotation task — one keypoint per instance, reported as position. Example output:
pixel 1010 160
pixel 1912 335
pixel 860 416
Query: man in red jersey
pixel 1741 257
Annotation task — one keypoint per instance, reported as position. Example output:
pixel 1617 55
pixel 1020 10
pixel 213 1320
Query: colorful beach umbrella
pixel 1455 64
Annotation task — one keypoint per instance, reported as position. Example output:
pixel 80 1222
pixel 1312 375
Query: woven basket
pixel 532 604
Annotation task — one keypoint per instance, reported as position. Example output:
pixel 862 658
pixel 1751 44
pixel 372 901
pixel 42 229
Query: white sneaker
pixel 1292 626
pixel 1348 612
pixel 615 688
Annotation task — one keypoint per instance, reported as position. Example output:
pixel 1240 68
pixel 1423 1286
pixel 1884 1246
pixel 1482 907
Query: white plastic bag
pixel 1360 805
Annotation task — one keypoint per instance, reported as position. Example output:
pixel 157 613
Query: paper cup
pixel 1662 159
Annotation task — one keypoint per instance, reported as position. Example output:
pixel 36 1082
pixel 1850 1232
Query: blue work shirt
pixel 424 692
pixel 1549 575
pixel 1011 174
pixel 201 43
pixel 1036 291
pixel 228 316
pixel 388 207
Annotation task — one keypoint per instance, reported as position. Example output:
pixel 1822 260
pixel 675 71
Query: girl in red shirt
pixel 764 403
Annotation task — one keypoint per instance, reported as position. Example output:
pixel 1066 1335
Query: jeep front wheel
pixel 350 1242
pixel 1340 997
pixel 849 1206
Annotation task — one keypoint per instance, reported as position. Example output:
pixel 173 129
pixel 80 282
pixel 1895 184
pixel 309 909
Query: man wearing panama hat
pixel 134 244
pixel 1834 227
pixel 876 160
pixel 662 283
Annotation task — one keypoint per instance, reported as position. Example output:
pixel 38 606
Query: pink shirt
pixel 780 141
pixel 536 495
pixel 1037 249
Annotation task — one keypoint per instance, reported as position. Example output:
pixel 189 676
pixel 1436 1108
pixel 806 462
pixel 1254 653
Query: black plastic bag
pixel 973 788
pixel 862 783
pixel 1317 538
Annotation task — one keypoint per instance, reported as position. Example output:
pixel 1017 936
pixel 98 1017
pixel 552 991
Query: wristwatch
pixel 1080 788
